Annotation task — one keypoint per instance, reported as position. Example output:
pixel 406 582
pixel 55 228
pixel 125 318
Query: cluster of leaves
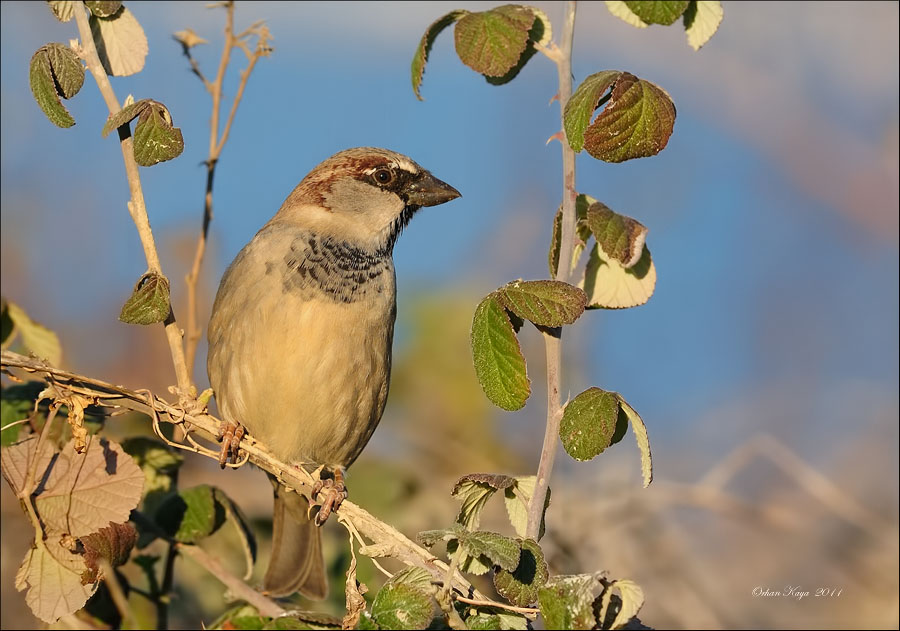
pixel 56 71
pixel 96 502
pixel 614 116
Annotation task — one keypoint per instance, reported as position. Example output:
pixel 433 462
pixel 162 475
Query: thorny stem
pixel 136 206
pixel 563 58
pixel 216 144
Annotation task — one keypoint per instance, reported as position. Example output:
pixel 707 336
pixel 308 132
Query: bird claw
pixel 231 443
pixel 334 493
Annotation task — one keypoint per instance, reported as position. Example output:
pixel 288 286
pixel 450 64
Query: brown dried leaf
pixel 113 543
pixel 52 575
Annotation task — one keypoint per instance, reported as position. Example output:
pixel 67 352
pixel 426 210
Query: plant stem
pixel 136 207
pixel 216 144
pixel 563 59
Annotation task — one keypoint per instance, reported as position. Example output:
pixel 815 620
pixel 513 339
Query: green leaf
pixel 121 43
pixel 191 515
pixel 630 601
pixel 500 550
pixel 483 621
pixel 636 123
pixel 424 49
pixel 491 42
pixel 149 302
pixel 643 440
pixel 620 10
pixel 36 337
pixel 608 285
pixel 540 33
pixel 63 10
pixel 701 21
pixel 589 423
pixel 16 404
pixel 566 602
pixel 55 71
pixel 582 234
pixel 429 538
pixel 156 139
pixel 621 237
pixel 582 104
pixel 521 586
pixel 103 8
pixel 474 490
pixel 499 363
pixel 663 12
pixel 544 302
pixel 402 606
pixel 125 115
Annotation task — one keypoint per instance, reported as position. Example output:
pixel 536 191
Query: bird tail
pixel 296 564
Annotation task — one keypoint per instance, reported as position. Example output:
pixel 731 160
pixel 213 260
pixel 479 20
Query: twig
pixel 528 611
pixel 216 144
pixel 115 590
pixel 136 207
pixel 563 59
pixel 265 606
pixel 386 541
pixel 28 486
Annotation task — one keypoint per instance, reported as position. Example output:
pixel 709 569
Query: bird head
pixel 364 196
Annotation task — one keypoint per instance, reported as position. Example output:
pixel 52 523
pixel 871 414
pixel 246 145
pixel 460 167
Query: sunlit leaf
pixel 643 441
pixel 621 237
pixel 545 302
pixel 103 8
pixel 701 21
pixel 580 107
pixel 113 544
pixel 402 604
pixel 156 139
pixel 149 303
pixel 499 363
pixel 36 337
pixel 63 10
pixel 566 602
pixel 473 491
pixel 589 423
pixel 125 115
pixel 52 573
pixel 663 12
pixel 636 123
pixel 491 42
pixel 621 11
pixel 608 285
pixel 121 43
pixel 421 57
pixel 55 71
pixel 631 599
pixel 518 499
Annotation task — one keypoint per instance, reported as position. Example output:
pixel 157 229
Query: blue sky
pixel 772 212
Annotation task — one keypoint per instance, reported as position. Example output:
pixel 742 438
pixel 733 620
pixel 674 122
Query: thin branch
pixel 385 540
pixel 528 611
pixel 136 206
pixel 115 590
pixel 563 59
pixel 266 606
pixel 216 145
pixel 29 485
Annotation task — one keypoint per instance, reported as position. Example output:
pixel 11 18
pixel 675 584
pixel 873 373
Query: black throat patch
pixel 316 266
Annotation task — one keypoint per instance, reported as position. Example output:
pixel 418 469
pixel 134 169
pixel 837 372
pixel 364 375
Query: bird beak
pixel 427 190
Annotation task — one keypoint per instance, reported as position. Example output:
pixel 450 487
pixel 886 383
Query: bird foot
pixel 231 442
pixel 333 492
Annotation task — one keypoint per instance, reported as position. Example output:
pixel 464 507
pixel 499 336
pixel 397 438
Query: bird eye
pixel 383 176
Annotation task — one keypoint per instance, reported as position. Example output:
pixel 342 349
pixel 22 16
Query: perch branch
pixel 384 540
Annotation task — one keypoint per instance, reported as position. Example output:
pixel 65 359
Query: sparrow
pixel 301 332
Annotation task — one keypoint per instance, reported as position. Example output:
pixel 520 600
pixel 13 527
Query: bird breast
pixel 300 344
